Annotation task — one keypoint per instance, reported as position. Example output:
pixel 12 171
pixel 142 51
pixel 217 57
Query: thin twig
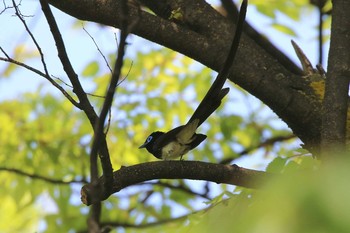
pixel 55 84
pixel 108 224
pixel 127 74
pixel 40 177
pixel 125 28
pixel 145 225
pixel 98 49
pixel 19 15
pixel 5 7
pixel 181 188
pixel 46 74
pixel 62 81
pixel 70 86
pixel 267 142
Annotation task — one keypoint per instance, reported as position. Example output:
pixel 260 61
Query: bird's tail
pixel 212 99
pixel 206 108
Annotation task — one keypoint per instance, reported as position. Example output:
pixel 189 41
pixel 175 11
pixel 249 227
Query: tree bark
pixel 195 170
pixel 335 106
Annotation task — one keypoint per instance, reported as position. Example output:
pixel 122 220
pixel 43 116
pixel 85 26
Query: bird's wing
pixel 183 134
pixel 167 137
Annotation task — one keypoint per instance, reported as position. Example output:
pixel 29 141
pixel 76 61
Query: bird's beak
pixel 142 146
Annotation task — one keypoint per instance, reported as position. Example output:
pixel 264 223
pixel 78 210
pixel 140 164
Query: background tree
pixel 46 139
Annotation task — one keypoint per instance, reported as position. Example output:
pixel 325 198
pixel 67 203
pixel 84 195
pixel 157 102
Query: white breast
pixel 174 150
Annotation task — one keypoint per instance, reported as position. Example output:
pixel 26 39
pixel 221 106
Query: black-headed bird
pixel 179 141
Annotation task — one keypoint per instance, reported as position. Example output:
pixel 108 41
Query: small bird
pixel 174 143
pixel 184 138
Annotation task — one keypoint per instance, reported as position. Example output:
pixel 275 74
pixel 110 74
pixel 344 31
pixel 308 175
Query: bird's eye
pixel 149 139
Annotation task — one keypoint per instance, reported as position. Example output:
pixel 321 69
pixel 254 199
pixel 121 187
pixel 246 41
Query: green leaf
pixel 91 69
pixel 229 124
pixel 284 29
pixel 276 165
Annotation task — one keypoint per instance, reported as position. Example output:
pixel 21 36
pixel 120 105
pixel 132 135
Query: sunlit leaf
pixel 276 165
pixel 91 69
pixel 284 29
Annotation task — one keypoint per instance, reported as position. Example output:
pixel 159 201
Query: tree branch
pixel 265 143
pixel 73 77
pixel 39 177
pixel 182 188
pixel 63 56
pixel 99 126
pixel 195 170
pixel 108 224
pixel 46 76
pixel 232 14
pixel 335 104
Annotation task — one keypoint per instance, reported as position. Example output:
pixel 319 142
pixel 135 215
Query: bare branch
pixel 99 135
pixel 195 170
pixel 335 103
pixel 5 7
pixel 232 14
pixel 106 164
pixel 181 188
pixel 145 225
pixel 46 76
pixel 265 143
pixel 20 16
pixel 98 49
pixel 40 177
pixel 67 66
pixel 77 88
pixel 109 224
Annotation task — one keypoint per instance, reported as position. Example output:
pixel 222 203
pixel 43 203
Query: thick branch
pixel 335 104
pixel 194 170
pixel 232 14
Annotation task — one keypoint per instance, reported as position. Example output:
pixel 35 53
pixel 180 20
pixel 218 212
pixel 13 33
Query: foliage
pixel 306 199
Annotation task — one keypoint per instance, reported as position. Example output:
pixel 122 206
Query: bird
pixel 174 143
pixel 180 140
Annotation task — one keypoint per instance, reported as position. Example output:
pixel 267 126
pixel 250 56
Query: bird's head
pixel 148 144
